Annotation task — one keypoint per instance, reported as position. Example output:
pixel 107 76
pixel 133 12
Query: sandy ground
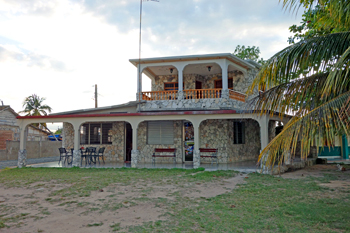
pixel 117 205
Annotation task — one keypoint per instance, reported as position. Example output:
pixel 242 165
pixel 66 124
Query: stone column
pixel 196 153
pixel 76 152
pixel 196 159
pixel 76 158
pixel 135 154
pixel 22 153
pixel 22 158
pixel 180 95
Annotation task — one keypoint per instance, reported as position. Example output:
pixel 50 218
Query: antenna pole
pixel 95 95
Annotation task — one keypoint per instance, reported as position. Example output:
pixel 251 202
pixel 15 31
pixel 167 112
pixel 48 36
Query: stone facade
pixel 146 150
pixel 113 152
pixel 219 134
pixel 240 82
pixel 192 104
pixel 213 134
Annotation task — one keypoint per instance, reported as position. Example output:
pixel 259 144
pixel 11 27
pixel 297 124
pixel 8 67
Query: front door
pixel 128 142
pixel 188 141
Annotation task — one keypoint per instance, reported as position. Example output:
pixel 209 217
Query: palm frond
pixel 315 55
pixel 324 122
pixel 299 94
pixel 338 80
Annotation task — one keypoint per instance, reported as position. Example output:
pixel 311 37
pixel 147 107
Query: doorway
pixel 188 141
pixel 128 142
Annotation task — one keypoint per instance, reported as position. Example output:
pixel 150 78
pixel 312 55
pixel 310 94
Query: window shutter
pixel 160 132
pixel 167 132
pixel 153 132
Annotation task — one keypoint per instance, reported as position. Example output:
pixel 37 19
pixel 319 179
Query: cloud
pixel 173 27
pixel 29 7
pixel 13 53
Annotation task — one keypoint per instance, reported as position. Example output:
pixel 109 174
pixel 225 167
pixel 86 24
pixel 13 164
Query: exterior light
pixel 209 68
pixel 171 70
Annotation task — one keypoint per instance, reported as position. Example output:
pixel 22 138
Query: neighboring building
pixel 9 129
pixel 195 102
pixel 339 149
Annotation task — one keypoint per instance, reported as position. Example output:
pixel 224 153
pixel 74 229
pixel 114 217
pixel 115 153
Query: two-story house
pixel 196 101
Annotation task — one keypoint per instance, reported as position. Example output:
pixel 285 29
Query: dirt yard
pixel 58 206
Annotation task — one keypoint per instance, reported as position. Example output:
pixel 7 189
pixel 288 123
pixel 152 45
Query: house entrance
pixel 188 141
pixel 128 142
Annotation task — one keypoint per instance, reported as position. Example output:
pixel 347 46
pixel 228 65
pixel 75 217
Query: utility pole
pixel 95 95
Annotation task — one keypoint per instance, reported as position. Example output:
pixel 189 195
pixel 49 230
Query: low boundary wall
pixel 35 149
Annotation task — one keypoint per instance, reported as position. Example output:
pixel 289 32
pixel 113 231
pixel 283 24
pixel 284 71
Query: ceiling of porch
pixel 201 69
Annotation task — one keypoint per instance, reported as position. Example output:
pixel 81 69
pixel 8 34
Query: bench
pixel 164 153
pixel 209 153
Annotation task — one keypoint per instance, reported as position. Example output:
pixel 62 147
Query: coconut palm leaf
pixel 297 95
pixel 315 55
pixel 338 80
pixel 322 123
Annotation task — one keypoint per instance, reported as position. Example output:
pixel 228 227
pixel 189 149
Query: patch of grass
pixel 262 204
pixel 116 227
pixel 95 224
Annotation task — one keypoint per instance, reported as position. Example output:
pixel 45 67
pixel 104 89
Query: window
pixel 218 83
pixel 238 132
pixel 173 86
pixel 96 133
pixel 160 133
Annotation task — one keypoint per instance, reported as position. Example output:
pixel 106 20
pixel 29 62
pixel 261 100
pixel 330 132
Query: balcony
pixel 196 94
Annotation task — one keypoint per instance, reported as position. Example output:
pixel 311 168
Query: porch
pixel 192 94
pixel 245 167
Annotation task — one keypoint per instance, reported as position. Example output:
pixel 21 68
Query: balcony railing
pixel 237 96
pixel 191 94
pixel 159 95
pixel 202 93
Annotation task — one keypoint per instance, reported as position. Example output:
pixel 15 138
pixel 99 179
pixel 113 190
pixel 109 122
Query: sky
pixel 59 49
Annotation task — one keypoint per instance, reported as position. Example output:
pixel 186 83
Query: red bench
pixel 166 152
pixel 209 153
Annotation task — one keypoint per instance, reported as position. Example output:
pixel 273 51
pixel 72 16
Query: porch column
pixel 224 70
pixel 76 152
pixel 135 154
pixel 264 140
pixel 180 69
pixel 22 153
pixel 139 82
pixel 196 153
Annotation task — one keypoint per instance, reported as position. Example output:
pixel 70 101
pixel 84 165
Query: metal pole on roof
pixel 139 66
pixel 95 95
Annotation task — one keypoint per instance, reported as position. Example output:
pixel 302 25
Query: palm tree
pixel 33 106
pixel 310 79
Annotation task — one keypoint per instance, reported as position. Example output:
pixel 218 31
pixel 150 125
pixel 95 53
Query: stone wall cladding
pixel 219 134
pixel 146 150
pixel 198 104
pixel 241 83
pixel 113 152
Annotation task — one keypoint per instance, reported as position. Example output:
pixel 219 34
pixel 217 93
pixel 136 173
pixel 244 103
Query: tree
pixel 33 106
pixel 320 18
pixel 320 97
pixel 251 53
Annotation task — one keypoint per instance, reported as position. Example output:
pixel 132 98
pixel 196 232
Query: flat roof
pixel 131 114
pixel 128 104
pixel 227 56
